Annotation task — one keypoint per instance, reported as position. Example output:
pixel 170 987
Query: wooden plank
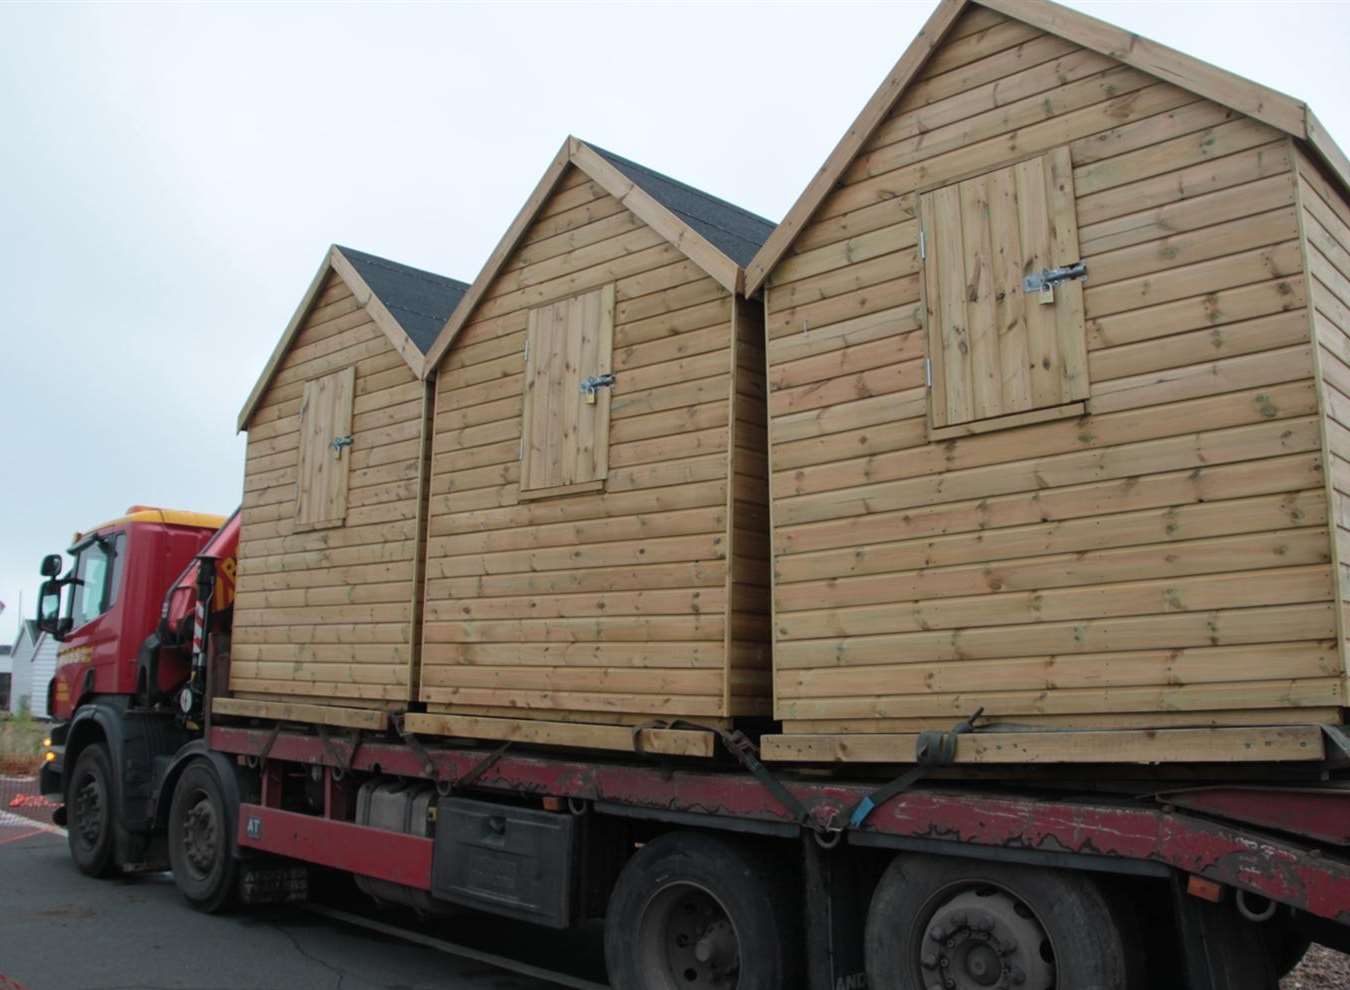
pixel 1143 668
pixel 1034 225
pixel 1252 624
pixel 985 359
pixel 287 711
pixel 1070 332
pixel 949 333
pixel 1223 718
pixel 667 742
pixel 1158 60
pixel 1010 300
pixel 1186 181
pixel 596 466
pixel 1228 745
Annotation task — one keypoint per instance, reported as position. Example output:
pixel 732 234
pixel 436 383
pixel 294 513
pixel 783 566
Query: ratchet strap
pixel 739 745
pixel 334 752
pixel 932 749
pixel 415 744
pixel 271 741
pixel 467 779
pixel 471 776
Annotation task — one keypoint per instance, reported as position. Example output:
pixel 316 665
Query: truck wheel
pixel 199 840
pixel 89 812
pixel 963 925
pixel 694 912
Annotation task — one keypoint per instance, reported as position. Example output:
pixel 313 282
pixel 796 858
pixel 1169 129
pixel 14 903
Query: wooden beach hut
pixel 1059 389
pixel 597 552
pixel 329 566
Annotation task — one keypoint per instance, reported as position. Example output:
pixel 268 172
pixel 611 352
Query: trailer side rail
pixel 1127 837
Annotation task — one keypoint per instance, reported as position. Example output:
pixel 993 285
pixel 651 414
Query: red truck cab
pixel 114 600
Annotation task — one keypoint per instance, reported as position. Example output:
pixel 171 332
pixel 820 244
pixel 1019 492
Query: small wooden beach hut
pixel 329 572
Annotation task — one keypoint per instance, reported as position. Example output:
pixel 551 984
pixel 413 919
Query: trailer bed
pixel 1147 835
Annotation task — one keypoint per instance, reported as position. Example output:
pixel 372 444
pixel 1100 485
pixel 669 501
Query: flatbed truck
pixel 708 874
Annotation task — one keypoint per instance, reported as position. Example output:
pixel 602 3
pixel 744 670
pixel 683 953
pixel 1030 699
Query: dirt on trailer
pixel 1321 969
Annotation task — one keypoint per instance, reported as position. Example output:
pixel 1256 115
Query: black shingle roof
pixel 737 233
pixel 420 301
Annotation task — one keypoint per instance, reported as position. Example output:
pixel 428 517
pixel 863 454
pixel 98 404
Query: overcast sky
pixel 170 177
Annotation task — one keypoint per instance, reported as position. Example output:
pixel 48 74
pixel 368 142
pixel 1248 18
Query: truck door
pixel 91 605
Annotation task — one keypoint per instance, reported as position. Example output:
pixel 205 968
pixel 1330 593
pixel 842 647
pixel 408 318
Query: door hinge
pixel 923 247
pixel 928 372
pixel 520 450
pixel 527 348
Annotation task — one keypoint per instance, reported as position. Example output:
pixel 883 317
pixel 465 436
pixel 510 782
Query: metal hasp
pixel 340 442
pixel 589 385
pixel 1048 278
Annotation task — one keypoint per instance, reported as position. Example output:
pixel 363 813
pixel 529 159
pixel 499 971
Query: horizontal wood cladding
pixel 644 594
pixel 1163 554
pixel 1326 229
pixel 325 616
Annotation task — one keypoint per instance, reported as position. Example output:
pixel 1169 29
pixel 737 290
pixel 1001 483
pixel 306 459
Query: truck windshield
pixel 97 573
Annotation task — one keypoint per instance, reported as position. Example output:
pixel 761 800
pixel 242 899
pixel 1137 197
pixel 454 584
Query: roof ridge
pixel 683 185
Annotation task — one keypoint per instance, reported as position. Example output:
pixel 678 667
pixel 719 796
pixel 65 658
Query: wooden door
pixel 565 427
pixel 994 349
pixel 325 451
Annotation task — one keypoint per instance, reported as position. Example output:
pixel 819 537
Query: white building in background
pixel 34 664
pixel 6 674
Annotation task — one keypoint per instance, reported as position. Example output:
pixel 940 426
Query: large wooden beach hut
pixel 1058 387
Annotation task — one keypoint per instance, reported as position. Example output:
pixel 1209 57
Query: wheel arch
pixel 95 722
pixel 226 773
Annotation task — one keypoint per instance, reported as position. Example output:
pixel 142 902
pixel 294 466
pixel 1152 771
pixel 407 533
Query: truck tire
pixel 204 867
pixel 695 911
pixel 965 925
pixel 89 812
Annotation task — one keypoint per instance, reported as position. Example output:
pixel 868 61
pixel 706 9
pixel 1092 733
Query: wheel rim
pixel 982 936
pixel 687 940
pixel 201 835
pixel 90 809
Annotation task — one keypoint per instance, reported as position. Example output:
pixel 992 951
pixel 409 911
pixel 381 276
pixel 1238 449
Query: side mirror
pixel 49 608
pixel 51 565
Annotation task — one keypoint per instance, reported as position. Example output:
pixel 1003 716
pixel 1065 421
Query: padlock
pixel 1047 294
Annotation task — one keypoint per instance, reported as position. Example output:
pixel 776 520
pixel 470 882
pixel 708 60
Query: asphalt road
pixel 60 930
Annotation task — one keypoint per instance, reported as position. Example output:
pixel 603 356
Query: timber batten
pixel 1126 520
pixel 333 522
pixel 596 554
